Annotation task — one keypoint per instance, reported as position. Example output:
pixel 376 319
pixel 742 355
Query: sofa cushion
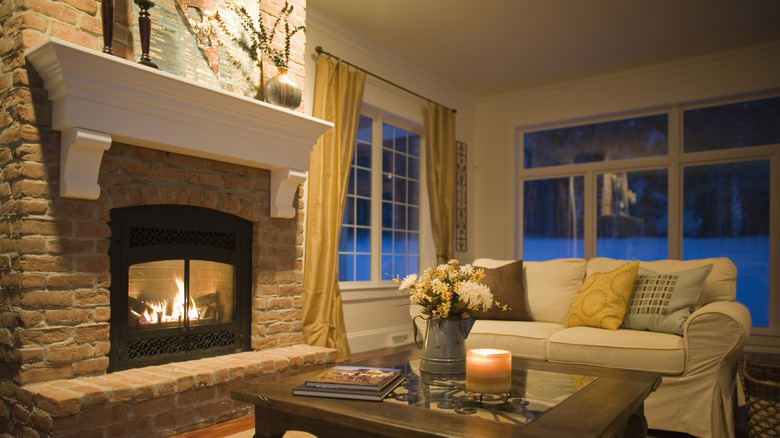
pixel 628 349
pixel 523 338
pixel 663 302
pixel 506 284
pixel 603 298
pixel 550 287
pixel 720 285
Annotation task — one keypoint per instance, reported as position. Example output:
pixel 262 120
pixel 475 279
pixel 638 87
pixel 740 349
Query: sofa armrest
pixel 715 333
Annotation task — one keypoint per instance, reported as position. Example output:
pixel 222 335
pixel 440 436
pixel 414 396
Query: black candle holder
pixel 107 10
pixel 145 28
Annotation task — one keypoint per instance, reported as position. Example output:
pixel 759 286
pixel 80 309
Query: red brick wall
pixel 54 267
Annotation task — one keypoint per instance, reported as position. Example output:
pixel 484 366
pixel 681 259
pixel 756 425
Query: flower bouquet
pixel 449 291
pixel 448 294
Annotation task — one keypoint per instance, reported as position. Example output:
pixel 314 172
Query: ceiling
pixel 491 47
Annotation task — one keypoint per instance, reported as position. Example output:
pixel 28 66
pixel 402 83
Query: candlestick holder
pixel 107 13
pixel 145 28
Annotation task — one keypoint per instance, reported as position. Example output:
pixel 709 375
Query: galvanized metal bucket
pixel 444 348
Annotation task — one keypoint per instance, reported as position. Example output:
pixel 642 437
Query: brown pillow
pixel 506 284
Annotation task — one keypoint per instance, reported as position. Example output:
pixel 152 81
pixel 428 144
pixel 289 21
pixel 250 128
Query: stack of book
pixel 360 383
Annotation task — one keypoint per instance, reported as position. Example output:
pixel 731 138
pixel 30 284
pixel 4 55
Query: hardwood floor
pixel 241 424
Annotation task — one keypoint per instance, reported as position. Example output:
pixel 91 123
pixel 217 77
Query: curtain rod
pixel 321 51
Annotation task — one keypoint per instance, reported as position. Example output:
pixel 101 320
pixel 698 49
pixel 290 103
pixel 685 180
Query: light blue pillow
pixel 663 302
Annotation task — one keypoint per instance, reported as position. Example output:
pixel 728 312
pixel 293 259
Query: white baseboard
pixel 381 338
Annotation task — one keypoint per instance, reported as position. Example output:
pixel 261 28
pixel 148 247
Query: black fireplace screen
pixel 180 285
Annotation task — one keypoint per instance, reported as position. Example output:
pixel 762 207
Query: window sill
pixel 369 292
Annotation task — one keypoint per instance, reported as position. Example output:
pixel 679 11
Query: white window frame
pixel 377 288
pixel 762 338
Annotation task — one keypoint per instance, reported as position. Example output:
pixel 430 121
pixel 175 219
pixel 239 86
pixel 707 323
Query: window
pixel 629 189
pixel 380 233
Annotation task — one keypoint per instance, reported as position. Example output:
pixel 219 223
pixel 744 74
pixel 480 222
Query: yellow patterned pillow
pixel 603 298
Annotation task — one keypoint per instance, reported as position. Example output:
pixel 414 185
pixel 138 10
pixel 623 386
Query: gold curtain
pixel 440 168
pixel 338 95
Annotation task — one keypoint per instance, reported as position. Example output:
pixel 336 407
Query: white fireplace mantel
pixel 99 98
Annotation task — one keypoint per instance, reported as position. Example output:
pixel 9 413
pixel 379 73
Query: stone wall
pixel 54 266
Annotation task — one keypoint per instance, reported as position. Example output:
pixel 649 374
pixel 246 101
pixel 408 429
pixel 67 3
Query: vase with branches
pixel 258 43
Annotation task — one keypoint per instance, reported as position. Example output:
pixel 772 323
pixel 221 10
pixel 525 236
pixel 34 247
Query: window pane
pixel 414 144
pixel 400 140
pixel 414 193
pixel 364 129
pixel 414 168
pixel 726 214
pixel 400 165
pixel 363 240
pixel 346 268
pixel 552 225
pixel 363 155
pixel 632 215
pixel 363 183
pixel 387 215
pixel 349 211
pixel 363 211
pixel 751 123
pixel 613 140
pixel 387 242
pixel 399 187
pixel 363 267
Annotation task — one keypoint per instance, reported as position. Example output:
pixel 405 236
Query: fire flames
pixel 163 311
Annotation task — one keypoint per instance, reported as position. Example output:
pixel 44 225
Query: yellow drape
pixel 338 95
pixel 440 168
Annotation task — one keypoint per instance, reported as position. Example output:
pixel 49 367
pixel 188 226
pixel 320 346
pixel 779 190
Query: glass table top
pixel 533 393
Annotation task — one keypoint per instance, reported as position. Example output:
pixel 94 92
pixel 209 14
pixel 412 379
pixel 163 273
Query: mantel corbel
pixel 284 183
pixel 80 157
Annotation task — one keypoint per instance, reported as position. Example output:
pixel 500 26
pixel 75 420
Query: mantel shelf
pixel 99 98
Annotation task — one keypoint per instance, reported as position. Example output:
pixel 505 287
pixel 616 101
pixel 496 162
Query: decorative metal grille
pixel 154 236
pixel 142 234
pixel 175 344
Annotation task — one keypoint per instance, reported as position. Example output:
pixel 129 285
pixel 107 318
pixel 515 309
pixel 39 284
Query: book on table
pixel 362 383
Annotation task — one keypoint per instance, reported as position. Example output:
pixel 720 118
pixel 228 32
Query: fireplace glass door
pixel 171 293
pixel 180 281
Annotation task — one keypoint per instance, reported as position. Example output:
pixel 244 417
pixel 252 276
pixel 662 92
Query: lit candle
pixel 488 371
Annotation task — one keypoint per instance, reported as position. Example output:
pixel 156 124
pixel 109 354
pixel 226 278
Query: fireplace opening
pixel 180 284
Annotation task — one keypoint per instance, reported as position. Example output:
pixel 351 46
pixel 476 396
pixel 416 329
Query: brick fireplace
pixel 85 134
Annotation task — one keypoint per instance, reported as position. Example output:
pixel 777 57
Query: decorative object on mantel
pixel 280 90
pixel 145 29
pixel 200 14
pixel 107 14
pixel 448 294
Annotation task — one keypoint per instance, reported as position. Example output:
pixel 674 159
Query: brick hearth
pixel 160 400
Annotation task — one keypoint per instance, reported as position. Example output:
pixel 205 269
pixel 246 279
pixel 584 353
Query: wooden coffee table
pixel 609 405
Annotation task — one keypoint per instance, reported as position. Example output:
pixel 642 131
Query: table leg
pixel 264 424
pixel 636 426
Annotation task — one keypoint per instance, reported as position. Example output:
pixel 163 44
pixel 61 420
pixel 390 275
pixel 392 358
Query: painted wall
pixel 379 317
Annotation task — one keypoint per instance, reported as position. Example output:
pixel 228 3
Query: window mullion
pixel 675 218
pixel 590 210
pixel 376 200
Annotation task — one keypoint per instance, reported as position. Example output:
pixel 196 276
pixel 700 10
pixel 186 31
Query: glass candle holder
pixel 488 371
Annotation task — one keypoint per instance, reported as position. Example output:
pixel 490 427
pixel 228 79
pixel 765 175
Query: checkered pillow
pixel 663 302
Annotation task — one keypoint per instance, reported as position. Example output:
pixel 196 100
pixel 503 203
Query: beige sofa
pixel 698 366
